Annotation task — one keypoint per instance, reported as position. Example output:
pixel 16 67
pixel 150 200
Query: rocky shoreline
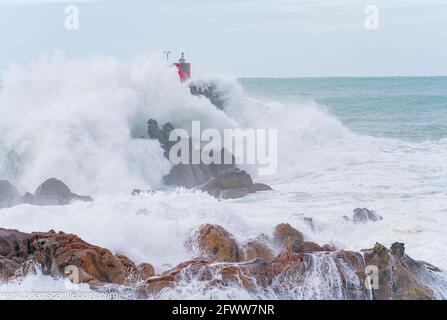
pixel 275 265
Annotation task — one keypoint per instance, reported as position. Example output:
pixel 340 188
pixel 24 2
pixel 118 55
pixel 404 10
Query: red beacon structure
pixel 184 69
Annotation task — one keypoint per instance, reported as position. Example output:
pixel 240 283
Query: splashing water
pixel 81 121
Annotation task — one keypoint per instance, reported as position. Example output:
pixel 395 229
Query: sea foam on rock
pixel 302 270
pixel 223 181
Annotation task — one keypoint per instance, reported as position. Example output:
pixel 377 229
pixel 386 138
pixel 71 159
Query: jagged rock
pixel 55 192
pixel 210 91
pixel 56 251
pixel 310 223
pixel 303 268
pixel 400 277
pixel 305 247
pixel 363 215
pixel 14 244
pixel 341 274
pixel 232 184
pixel 14 250
pixel 215 244
pixel 254 249
pixel 8 268
pixel 9 196
pixel 285 235
pixel 250 275
pixel 187 175
pixel 146 270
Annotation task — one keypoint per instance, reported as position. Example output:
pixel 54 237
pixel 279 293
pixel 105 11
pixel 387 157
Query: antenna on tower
pixel 166 54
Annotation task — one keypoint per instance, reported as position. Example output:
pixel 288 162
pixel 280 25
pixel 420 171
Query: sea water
pixel 379 143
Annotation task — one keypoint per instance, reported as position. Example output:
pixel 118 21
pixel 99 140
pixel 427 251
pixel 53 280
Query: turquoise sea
pixel 408 108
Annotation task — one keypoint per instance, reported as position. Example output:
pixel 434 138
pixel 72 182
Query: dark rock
pixel 310 223
pixel 210 91
pixel 232 184
pixel 9 196
pixel 55 192
pixel 363 215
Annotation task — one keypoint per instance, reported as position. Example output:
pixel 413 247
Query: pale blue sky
pixel 265 38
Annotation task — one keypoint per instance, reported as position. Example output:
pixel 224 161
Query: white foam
pixel 78 120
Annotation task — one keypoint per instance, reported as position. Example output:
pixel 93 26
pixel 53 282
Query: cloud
pixel 291 5
pixel 37 2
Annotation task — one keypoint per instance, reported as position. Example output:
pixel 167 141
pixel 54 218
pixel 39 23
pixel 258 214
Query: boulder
pixel 251 275
pixel 214 243
pixel 9 196
pixel 363 215
pixel 232 184
pixel 255 249
pixel 285 235
pixel 56 251
pixel 299 246
pixel 399 276
pixel 15 244
pixel 8 268
pixel 55 192
pixel 146 270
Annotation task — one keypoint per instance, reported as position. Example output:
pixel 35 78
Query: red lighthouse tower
pixel 184 68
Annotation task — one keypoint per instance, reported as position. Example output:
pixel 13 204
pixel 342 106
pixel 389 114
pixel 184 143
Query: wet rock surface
pixel 400 277
pixel 302 269
pixel 232 184
pixel 222 180
pixel 210 91
pixel 216 244
pixel 363 215
pixel 54 252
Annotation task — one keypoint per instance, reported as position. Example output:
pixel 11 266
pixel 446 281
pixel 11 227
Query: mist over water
pixel 81 121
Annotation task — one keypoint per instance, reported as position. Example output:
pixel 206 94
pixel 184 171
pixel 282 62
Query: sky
pixel 242 38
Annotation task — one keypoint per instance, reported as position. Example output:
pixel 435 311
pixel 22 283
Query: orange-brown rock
pixel 146 270
pixel 215 244
pixel 254 249
pixel 284 235
pixel 305 247
pixel 56 251
pixel 399 276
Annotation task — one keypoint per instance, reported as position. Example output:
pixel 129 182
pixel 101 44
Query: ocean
pixel 344 143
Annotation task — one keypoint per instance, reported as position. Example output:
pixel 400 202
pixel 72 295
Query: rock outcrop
pixel 285 235
pixel 9 196
pixel 214 243
pixel 232 184
pixel 54 252
pixel 303 269
pixel 52 192
pixel 185 175
pixel 363 215
pixel 210 91
pixel 56 193
pixel 399 277
pixel 257 248
pixel 222 180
